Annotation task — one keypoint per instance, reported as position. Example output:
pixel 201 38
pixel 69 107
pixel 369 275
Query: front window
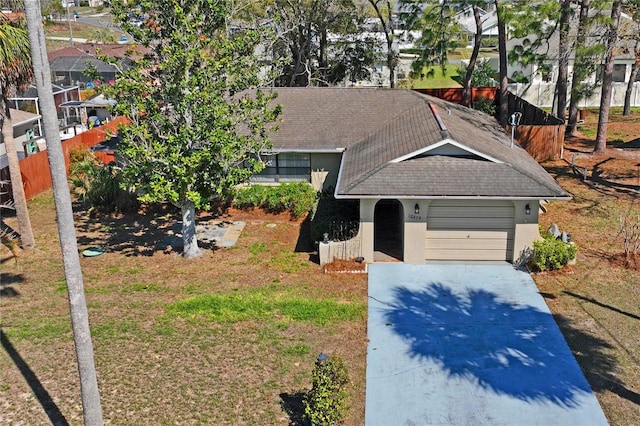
pixel 285 167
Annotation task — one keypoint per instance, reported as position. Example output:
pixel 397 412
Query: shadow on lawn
pixel 500 346
pixel 293 405
pixel 7 280
pixel 50 407
pixel 156 229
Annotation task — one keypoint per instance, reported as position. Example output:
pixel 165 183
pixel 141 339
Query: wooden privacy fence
pixel 456 94
pixel 538 132
pixel 36 176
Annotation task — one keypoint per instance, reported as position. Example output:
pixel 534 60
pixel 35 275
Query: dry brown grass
pixel 597 301
pixel 155 369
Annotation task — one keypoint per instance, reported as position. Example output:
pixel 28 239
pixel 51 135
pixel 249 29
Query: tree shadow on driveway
pixel 506 347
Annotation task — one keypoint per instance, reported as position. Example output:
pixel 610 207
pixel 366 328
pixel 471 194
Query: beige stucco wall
pixel 324 171
pixel 415 232
pixel 526 230
pixel 367 208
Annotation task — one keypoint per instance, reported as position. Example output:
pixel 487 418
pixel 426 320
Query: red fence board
pixel 36 176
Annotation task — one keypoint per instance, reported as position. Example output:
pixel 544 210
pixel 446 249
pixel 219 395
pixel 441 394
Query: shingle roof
pixel 385 134
pixel 19 116
pixel 89 50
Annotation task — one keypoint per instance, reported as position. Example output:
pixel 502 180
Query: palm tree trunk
pixel 17 186
pixel 91 408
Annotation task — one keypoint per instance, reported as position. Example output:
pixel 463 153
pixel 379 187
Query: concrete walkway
pixel 468 344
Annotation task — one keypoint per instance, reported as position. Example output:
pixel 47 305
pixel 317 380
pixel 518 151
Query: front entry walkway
pixel 468 344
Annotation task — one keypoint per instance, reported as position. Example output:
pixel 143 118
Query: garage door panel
pixel 468 255
pixel 462 212
pixel 452 223
pixel 468 230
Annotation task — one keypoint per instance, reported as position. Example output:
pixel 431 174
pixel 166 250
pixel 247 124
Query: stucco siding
pixel 324 171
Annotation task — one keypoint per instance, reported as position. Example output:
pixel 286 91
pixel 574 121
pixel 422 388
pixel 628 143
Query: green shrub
pixel 295 197
pixel 488 106
pixel 98 184
pixel 326 402
pixel 552 253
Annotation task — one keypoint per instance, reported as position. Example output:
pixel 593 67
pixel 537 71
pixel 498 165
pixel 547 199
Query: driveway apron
pixel 468 344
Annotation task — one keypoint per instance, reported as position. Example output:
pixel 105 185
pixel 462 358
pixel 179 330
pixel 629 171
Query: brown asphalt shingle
pixel 376 126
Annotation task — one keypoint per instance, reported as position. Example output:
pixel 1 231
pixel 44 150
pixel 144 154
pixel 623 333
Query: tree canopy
pixel 195 129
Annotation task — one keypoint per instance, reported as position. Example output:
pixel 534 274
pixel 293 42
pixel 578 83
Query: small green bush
pixel 297 198
pixel 98 184
pixel 552 253
pixel 326 402
pixel 488 106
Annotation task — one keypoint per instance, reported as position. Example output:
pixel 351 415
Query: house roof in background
pixel 387 133
pixel 79 64
pixel 90 49
pixel 19 117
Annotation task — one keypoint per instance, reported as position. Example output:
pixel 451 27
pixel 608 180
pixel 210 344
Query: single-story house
pixel 434 180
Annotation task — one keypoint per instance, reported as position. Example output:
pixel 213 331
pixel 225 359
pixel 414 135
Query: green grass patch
pixel 287 261
pixel 49 330
pixel 434 77
pixel 265 304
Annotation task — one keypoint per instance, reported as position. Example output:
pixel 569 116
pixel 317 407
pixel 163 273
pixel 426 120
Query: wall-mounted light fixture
pixel 416 209
pixel 527 209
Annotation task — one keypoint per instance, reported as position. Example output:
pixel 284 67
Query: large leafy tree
pixel 15 73
pixel 92 409
pixel 196 131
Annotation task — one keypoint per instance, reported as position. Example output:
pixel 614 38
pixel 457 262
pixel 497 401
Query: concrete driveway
pixel 468 344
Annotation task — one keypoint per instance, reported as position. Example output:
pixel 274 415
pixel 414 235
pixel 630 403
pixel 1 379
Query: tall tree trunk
pixel 576 93
pixel 189 237
pixel 477 43
pixel 502 51
pixel 387 28
pixel 563 59
pixel 607 78
pixel 91 408
pixel 632 78
pixel 17 186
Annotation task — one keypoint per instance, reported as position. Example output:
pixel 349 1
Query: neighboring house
pixel 436 180
pixel 28 100
pixel 489 19
pixel 68 65
pixel 27 132
pixel 540 88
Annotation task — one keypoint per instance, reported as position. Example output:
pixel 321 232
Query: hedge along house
pixel 435 180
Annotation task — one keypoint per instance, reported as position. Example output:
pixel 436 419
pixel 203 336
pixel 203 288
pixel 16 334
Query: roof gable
pixel 449 148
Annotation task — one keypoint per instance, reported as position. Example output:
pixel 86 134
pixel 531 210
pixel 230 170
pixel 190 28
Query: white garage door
pixel 470 230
